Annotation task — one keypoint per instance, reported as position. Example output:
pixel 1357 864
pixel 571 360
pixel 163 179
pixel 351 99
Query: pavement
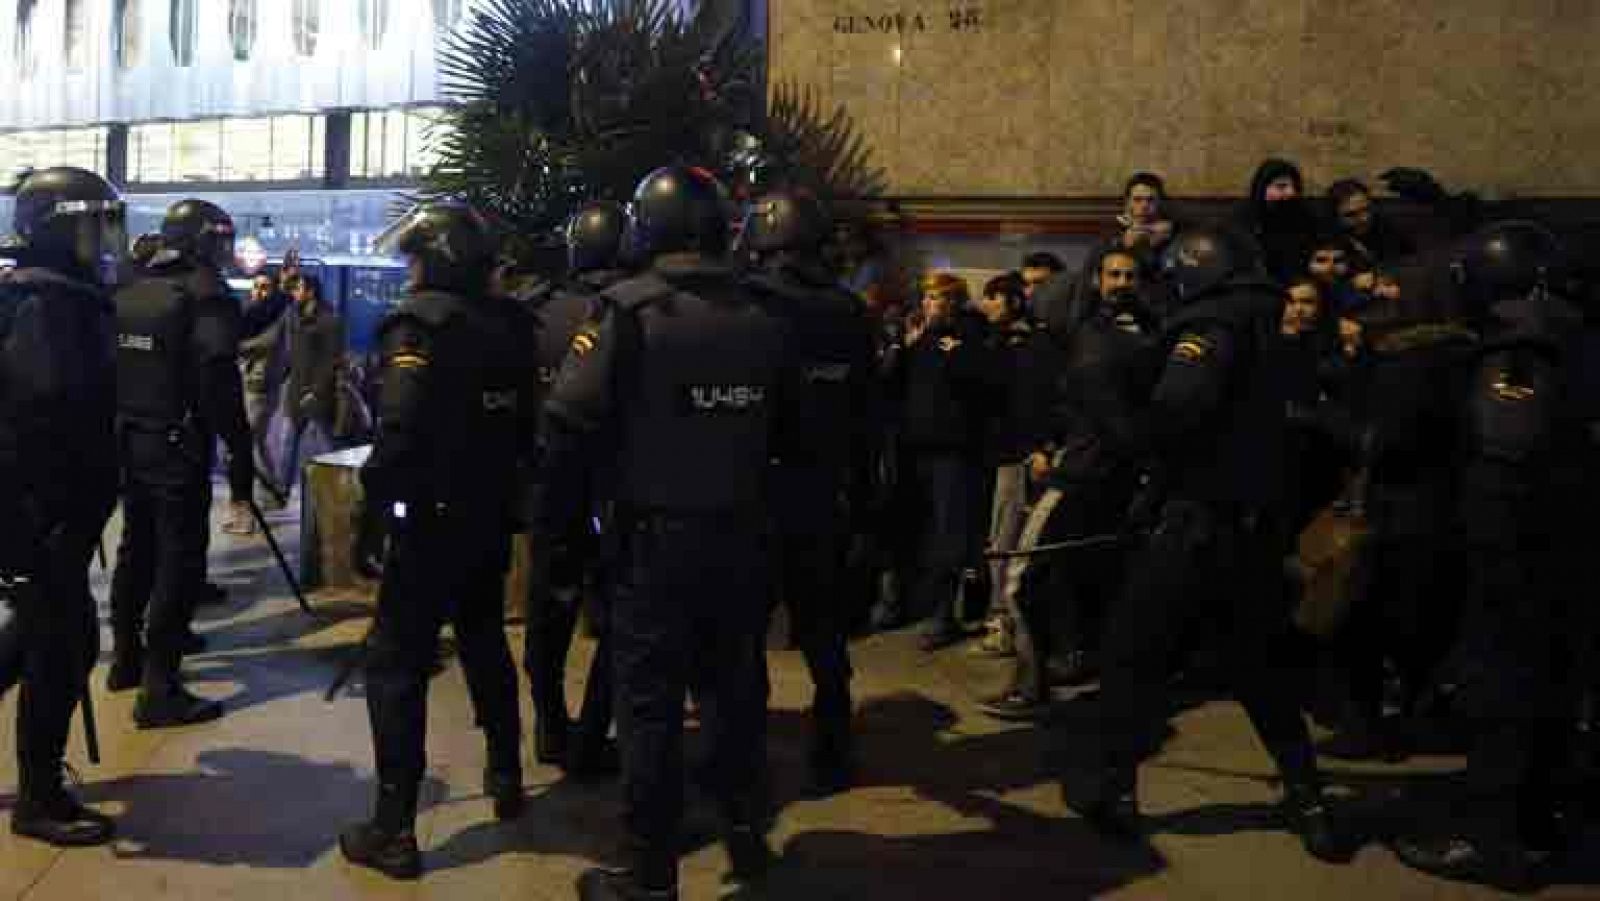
pixel 950 804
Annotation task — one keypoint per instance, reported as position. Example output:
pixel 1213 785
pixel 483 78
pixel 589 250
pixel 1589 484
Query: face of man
pixel 261 288
pixel 1034 276
pixel 1119 273
pixel 1355 213
pixel 1300 308
pixel 1329 265
pixel 995 309
pixel 1143 203
pixel 937 307
pixel 1280 189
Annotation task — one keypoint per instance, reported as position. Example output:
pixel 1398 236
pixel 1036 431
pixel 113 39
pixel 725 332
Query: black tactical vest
pixel 155 369
pixel 699 392
pixel 832 346
pixel 481 378
pixel 1236 458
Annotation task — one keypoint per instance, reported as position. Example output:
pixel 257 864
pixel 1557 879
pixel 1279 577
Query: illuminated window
pixel 182 31
pixel 26 53
pixel 275 148
pixel 394 143
pixel 374 16
pixel 128 37
pixel 445 14
pixel 81 147
pixel 76 48
pixel 242 27
pixel 307 16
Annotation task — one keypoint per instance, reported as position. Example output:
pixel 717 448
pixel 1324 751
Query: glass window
pixel 26 53
pixel 182 27
pixel 307 17
pixel 242 27
pixel 275 148
pixel 81 147
pixel 374 16
pixel 128 38
pixel 445 14
pixel 76 49
pixel 393 143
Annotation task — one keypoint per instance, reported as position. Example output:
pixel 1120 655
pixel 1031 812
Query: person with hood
pixel 1277 219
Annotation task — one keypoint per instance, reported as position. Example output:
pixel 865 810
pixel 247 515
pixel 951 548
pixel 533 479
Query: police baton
pixel 1072 544
pixel 283 563
pixel 91 734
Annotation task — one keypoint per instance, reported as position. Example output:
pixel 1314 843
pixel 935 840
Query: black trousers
pixel 953 518
pixel 551 618
pixel 161 560
pixel 811 585
pixel 1517 690
pixel 49 644
pixel 1202 567
pixel 690 600
pixel 448 567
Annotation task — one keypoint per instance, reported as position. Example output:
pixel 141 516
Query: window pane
pixel 150 153
pixel 358 145
pixel 242 27
pixel 199 151
pixel 129 41
pixel 394 143
pixel 290 137
pixel 26 51
pixel 247 149
pixel 81 147
pixel 182 27
pixel 77 35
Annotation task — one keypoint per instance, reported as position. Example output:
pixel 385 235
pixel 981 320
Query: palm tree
pixel 557 102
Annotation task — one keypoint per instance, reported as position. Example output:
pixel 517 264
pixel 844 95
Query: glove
pixel 241 476
pixel 1417 185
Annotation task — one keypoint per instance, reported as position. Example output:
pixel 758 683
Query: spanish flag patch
pixel 408 359
pixel 1192 348
pixel 583 342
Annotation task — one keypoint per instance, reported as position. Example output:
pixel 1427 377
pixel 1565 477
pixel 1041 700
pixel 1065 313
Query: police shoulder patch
pixel 1192 347
pixel 585 340
pixel 409 359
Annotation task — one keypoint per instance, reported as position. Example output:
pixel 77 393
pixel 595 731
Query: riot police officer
pixel 1523 507
pixel 454 427
pixel 821 482
pixel 58 475
pixel 178 390
pixel 1213 432
pixel 675 387
pixel 594 251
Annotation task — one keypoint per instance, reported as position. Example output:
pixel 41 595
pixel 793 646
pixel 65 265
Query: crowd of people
pixel 1348 467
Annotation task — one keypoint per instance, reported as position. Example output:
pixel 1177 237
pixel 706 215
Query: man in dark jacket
pixel 316 351
pixel 178 392
pixel 1215 434
pixel 947 389
pixel 58 477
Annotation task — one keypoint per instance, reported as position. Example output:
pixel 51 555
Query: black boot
pixel 387 843
pixel 127 666
pixel 832 763
pixel 57 818
pixel 749 858
pixel 1505 865
pixel 505 787
pixel 394 854
pixel 551 735
pixel 1111 808
pixel 604 884
pixel 1306 811
pixel 163 701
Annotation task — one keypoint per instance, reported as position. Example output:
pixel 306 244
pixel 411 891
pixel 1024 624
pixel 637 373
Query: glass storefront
pixel 271 148
pixel 81 147
pixel 396 143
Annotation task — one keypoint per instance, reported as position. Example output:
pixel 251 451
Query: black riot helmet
pixel 73 221
pixel 594 237
pixel 793 221
pixel 1200 259
pixel 448 244
pixel 680 209
pixel 1505 260
pixel 200 231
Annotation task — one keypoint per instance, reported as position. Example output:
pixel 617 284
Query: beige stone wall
pixel 1065 97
